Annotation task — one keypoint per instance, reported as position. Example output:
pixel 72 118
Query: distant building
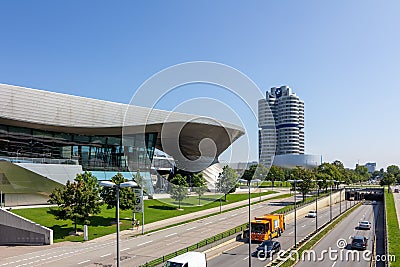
pixel 371 166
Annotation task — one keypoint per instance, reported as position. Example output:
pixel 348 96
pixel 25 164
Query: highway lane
pixel 139 250
pixel 342 255
pixel 238 256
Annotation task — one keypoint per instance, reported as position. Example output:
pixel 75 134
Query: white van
pixel 189 259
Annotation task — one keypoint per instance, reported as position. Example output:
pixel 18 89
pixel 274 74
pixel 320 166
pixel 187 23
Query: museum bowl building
pixel 47 138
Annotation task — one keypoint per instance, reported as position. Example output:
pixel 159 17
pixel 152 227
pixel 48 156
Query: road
pixel 138 250
pixel 335 241
pixel 238 256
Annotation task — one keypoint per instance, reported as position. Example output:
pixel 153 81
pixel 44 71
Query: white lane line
pixel 105 255
pixel 125 249
pixel 333 264
pixel 304 226
pixel 171 234
pixel 208 223
pixel 82 262
pixel 191 228
pixel 291 233
pixel 233 215
pixel 246 258
pixel 145 243
pixel 222 219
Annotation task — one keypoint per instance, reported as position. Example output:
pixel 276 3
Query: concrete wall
pixel 323 202
pixel 16 230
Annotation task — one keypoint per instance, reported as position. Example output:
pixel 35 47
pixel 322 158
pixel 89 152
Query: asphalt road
pixel 337 252
pixel 139 250
pixel 239 255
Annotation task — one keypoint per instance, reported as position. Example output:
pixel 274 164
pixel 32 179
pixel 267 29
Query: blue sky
pixel 341 57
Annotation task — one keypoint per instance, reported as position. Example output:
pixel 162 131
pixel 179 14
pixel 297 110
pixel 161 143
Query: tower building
pixel 288 114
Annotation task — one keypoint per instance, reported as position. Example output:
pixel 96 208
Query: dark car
pixel 268 247
pixel 359 242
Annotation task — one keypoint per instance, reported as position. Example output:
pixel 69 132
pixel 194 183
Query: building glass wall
pixel 104 153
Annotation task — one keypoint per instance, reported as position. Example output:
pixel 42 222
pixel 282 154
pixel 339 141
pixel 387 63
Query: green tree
pixel 248 174
pixel 393 169
pixel 308 180
pixel 199 184
pixel 139 179
pixel 275 173
pixel 331 170
pixel 388 179
pixel 126 195
pixel 362 171
pixel 179 188
pixel 227 180
pixel 76 200
pixel 323 180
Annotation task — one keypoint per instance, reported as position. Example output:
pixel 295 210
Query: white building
pixel 288 114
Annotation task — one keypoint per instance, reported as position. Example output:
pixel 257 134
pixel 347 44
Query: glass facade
pixel 103 153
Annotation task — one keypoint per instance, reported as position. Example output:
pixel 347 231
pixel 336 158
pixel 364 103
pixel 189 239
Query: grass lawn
pixel 393 228
pixel 100 224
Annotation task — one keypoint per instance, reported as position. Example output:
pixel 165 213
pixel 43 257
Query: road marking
pixel 82 262
pixel 222 219
pixel 145 243
pixel 171 234
pixel 191 228
pixel 233 215
pixel 125 249
pixel 291 233
pixel 105 255
pixel 208 223
pixel 246 258
pixel 304 226
pixel 333 264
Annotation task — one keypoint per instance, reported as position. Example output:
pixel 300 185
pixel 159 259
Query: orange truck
pixel 267 227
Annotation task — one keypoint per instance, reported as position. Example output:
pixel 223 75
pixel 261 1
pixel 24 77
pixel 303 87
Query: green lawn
pixel 100 224
pixel 393 228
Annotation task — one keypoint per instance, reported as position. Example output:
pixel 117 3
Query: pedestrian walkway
pixel 396 197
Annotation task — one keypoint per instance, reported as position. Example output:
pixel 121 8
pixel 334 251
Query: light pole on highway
pixel 248 185
pixel 117 188
pixel 295 208
pixel 316 204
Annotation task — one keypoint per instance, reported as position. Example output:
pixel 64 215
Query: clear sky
pixel 341 57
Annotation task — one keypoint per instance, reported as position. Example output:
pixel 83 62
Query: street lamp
pixel 248 185
pixel 118 187
pixel 316 205
pixel 259 189
pixel 295 208
pixel 330 200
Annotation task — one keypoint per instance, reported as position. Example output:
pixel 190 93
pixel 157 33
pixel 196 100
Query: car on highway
pixel 359 242
pixel 364 225
pixel 312 214
pixel 396 190
pixel 268 248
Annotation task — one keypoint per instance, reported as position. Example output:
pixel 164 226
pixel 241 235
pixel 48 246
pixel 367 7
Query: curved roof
pixel 38 109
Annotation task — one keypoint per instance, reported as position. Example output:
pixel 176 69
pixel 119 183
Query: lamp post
pixel 248 185
pixel 330 200
pixel 117 188
pixel 295 208
pixel 316 205
pixel 259 189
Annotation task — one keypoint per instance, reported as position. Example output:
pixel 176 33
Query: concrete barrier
pixel 323 202
pixel 16 230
